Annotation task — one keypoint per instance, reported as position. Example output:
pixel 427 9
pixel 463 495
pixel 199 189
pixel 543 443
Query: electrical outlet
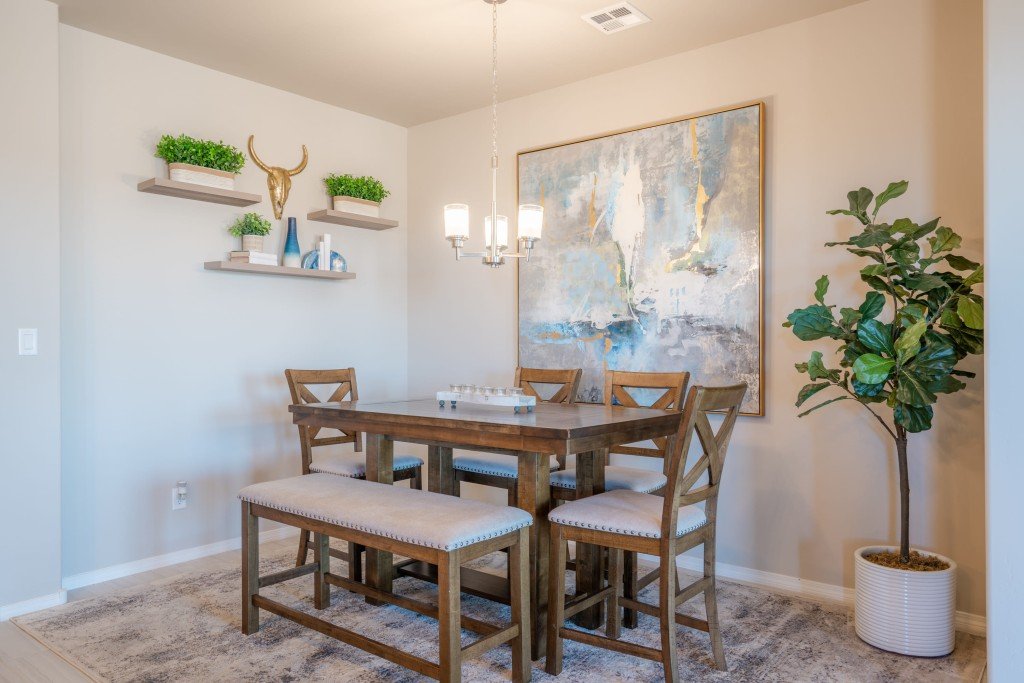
pixel 179 496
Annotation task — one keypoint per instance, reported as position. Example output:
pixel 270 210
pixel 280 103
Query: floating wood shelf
pixel 243 267
pixel 354 220
pixel 203 193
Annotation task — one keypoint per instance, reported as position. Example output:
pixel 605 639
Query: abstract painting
pixel 651 256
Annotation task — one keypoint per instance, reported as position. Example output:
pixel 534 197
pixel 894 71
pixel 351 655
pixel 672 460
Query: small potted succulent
pixel 252 228
pixel 202 162
pixel 361 195
pixel 899 353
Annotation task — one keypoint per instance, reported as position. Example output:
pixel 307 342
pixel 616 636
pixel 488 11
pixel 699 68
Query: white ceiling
pixel 412 61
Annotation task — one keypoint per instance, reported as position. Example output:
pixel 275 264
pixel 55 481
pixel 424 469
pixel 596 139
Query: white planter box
pixel 363 207
pixel 199 175
pixel 903 611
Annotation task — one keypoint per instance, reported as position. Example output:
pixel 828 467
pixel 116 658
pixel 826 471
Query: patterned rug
pixel 187 629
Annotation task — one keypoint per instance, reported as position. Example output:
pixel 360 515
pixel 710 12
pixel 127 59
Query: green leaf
pixel 925 282
pixel 936 359
pixel 860 199
pixel 971 313
pixel 871 238
pixel 905 253
pixel 822 405
pixel 866 253
pixel 946 385
pixel 914 419
pixel 862 217
pixel 809 390
pixel 891 192
pixel 872 368
pixel 977 277
pixel 925 229
pixel 964 373
pixel 814 322
pixel 909 343
pixel 961 263
pixel 821 288
pixel 873 305
pixel 944 240
pixel 876 336
pixel 912 389
pixel 867 390
pixel 911 313
pixel 849 316
pixel 815 367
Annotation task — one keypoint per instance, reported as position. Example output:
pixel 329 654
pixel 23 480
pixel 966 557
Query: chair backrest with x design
pixel 616 392
pixel 681 480
pixel 299 383
pixel 568 382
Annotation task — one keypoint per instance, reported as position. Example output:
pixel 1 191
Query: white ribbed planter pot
pixel 363 207
pixel 902 611
pixel 200 175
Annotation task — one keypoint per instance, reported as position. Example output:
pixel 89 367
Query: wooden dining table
pixel 586 430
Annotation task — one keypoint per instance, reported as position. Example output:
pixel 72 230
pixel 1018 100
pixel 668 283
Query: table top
pixel 556 428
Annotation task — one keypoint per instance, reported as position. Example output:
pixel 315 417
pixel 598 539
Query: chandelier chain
pixel 494 80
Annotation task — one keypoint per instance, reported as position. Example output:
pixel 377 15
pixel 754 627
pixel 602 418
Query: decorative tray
pixel 488 396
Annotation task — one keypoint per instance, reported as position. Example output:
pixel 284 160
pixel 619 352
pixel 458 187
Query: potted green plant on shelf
pixel 252 228
pixel 899 351
pixel 202 162
pixel 361 195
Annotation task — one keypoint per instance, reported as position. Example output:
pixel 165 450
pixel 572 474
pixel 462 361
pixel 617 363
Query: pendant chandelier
pixel 531 216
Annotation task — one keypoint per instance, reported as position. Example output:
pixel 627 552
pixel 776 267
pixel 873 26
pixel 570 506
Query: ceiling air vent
pixel 615 18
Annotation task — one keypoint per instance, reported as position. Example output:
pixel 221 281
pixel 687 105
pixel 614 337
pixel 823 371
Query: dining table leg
pixel 380 460
pixel 590 558
pixel 440 475
pixel 534 495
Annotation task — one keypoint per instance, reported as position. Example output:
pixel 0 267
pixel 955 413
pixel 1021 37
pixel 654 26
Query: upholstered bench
pixel 443 530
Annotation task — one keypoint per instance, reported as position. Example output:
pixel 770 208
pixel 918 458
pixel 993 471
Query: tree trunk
pixel 901 454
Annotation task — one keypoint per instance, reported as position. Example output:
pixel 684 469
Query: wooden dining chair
pixel 665 526
pixel 617 392
pixel 502 471
pixel 343 464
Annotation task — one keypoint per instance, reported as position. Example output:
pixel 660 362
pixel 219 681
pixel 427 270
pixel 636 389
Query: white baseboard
pixel 33 605
pixel 814 590
pixel 118 571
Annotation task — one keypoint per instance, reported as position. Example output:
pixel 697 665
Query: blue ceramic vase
pixel 292 255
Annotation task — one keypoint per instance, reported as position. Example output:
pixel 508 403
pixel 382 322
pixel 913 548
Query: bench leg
pixel 250 569
pixel 519 589
pixel 322 557
pixel 355 562
pixel 303 555
pixel 556 601
pixel 448 619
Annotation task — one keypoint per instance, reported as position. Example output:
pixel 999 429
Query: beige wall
pixel 173 372
pixel 876 92
pixel 1004 242
pixel 29 297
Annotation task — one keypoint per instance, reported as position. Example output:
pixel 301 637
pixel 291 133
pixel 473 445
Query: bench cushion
pixel 421 518
pixel 625 512
pixel 493 463
pixel 615 478
pixel 354 464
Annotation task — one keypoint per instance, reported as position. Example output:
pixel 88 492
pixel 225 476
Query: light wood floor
pixel 24 660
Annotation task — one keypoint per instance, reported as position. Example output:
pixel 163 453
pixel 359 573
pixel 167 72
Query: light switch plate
pixel 28 342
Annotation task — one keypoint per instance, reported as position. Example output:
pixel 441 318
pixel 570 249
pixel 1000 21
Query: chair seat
pixel 494 464
pixel 616 478
pixel 354 464
pixel 421 518
pixel 625 512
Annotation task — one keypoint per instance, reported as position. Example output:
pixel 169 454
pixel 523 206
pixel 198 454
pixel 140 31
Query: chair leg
pixel 711 607
pixel 355 562
pixel 556 600
pixel 250 569
pixel 322 558
pixel 448 618
pixel 630 576
pixel 417 478
pixel 667 615
pixel 457 485
pixel 303 554
pixel 519 593
pixel 615 562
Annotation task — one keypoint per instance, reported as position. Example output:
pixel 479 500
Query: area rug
pixel 187 629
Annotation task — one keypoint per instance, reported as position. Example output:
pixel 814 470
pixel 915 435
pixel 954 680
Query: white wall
pixel 876 92
pixel 173 372
pixel 1004 243
pixel 30 286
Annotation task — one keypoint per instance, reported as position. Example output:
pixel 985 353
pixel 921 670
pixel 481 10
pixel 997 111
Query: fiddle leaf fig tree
pixel 899 348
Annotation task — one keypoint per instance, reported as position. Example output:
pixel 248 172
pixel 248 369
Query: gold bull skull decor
pixel 279 180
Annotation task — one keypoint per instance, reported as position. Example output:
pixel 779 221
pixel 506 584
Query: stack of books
pixel 254 257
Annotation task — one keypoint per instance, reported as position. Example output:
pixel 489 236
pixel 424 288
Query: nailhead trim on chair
pixel 398 467
pixel 480 468
pixel 568 483
pixel 625 532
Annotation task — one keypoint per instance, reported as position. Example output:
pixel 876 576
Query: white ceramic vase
pixel 903 611
pixel 363 207
pixel 200 175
